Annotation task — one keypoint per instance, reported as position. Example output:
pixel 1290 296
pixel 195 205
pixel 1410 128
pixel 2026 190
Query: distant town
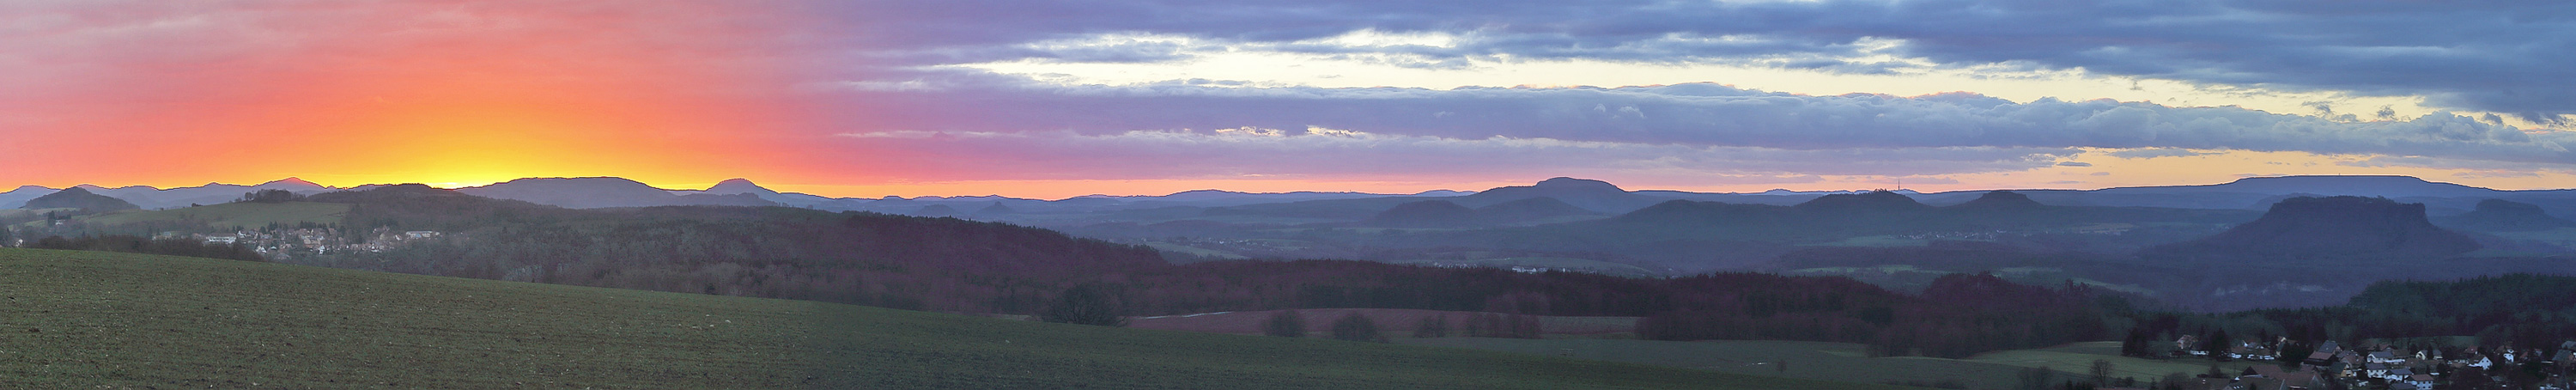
pixel 285 243
pixel 2376 365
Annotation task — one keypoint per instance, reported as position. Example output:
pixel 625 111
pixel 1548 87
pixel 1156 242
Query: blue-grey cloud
pixel 2488 56
pixel 1697 115
pixel 2154 153
pixel 1330 152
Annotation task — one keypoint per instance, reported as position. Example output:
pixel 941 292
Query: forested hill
pixel 2494 296
pixel 852 257
pixel 2524 311
pixel 2516 309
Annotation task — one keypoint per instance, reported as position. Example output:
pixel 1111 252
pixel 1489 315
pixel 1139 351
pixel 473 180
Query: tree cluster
pixel 270 196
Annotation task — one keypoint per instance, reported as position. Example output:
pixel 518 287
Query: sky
pixel 1138 97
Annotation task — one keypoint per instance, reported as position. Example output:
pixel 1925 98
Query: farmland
pixel 1841 361
pixel 121 320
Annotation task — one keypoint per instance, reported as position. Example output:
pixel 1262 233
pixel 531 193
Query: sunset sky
pixel 1056 99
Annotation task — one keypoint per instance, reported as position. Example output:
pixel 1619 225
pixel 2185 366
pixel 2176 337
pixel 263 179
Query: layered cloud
pixel 1324 152
pixel 2485 56
pixel 1701 115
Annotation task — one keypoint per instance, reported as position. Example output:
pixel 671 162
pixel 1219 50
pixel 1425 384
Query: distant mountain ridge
pixel 2001 201
pixel 739 186
pixel 157 198
pixel 2337 185
pixel 2505 215
pixel 601 192
pixel 1593 196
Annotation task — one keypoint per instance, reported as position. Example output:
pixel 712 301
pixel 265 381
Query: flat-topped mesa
pixel 1591 195
pixel 1873 201
pixel 290 182
pixel 2336 226
pixel 1569 183
pixel 2000 201
pixel 737 186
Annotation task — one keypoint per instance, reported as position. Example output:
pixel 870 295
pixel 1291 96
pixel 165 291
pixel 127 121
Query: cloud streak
pixel 1322 152
pixel 2486 56
pixel 1702 115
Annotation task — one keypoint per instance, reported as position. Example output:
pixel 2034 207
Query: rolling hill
pixel 77 198
pixel 122 320
pixel 2505 215
pixel 602 192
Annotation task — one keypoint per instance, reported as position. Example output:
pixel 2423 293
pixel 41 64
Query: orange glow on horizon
pixel 462 94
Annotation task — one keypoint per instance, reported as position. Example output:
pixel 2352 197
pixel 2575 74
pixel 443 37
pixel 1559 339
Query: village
pixel 2378 366
pixel 286 243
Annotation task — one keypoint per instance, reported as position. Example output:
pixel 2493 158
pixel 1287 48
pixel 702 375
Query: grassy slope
pixel 1842 361
pixel 1392 322
pixel 35 218
pixel 1814 360
pixel 2079 357
pixel 231 215
pixel 90 318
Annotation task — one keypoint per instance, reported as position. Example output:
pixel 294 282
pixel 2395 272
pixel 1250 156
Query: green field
pixel 1840 361
pixel 1195 251
pixel 231 215
pixel 34 218
pixel 1877 241
pixel 21 213
pixel 2079 357
pixel 95 319
pixel 1587 265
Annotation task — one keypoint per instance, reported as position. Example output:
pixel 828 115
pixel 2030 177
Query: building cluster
pixel 282 243
pixel 1960 236
pixel 2333 366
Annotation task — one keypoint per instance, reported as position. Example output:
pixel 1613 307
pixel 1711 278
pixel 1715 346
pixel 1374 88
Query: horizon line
pixel 459 186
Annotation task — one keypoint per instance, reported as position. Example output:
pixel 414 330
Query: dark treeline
pixel 1961 315
pixel 137 244
pixel 270 196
